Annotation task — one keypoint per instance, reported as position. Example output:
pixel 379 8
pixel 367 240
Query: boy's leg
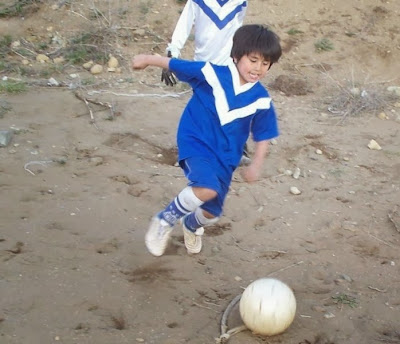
pixel 203 176
pixel 193 228
pixel 158 234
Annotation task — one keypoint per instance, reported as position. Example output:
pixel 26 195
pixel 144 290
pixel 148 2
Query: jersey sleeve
pixel 182 29
pixel 264 125
pixel 188 71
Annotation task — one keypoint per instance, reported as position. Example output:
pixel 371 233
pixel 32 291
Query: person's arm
pixel 144 61
pixel 251 173
pixel 182 29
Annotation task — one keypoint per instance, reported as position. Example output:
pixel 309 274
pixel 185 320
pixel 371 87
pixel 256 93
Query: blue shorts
pixel 202 172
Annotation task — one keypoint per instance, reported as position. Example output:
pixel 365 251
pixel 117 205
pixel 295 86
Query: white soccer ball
pixel 267 306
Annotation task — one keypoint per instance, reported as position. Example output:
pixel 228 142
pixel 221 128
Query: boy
pixel 228 104
pixel 215 22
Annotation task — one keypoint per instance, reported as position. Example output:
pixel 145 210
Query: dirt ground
pixel 77 193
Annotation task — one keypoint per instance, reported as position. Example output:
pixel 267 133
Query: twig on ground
pixel 205 307
pixel 380 240
pixel 78 14
pixel 392 217
pixel 285 268
pixel 86 101
pixel 20 55
pixel 172 95
pixel 153 173
pixel 376 289
pixel 43 163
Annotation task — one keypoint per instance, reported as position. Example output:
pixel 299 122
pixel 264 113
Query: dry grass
pixel 353 98
pixel 357 100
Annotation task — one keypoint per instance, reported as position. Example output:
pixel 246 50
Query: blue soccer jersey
pixel 221 114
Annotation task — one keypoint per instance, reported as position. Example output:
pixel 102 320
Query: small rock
pixel 294 190
pixel 139 32
pixel 394 89
pixel 58 60
pixel 329 315
pixel 15 44
pixel 25 62
pixel 42 58
pixel 382 116
pixel 288 173
pixel 112 62
pixel 318 151
pixel 349 226
pixel 96 69
pixel 238 278
pixel 140 340
pixel 5 137
pixel 355 91
pixel 346 158
pixel 273 142
pixel 88 65
pixel 373 145
pixel 318 309
pixel 296 173
pixel 215 249
pixel 96 161
pixel 346 278
pixel 53 82
pixel 322 176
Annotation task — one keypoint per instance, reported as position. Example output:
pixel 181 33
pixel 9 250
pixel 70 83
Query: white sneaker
pixel 192 239
pixel 157 236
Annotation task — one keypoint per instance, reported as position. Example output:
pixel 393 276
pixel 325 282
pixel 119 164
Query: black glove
pixel 167 76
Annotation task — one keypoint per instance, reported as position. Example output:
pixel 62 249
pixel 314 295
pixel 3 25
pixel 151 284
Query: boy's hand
pixel 167 76
pixel 139 62
pixel 250 173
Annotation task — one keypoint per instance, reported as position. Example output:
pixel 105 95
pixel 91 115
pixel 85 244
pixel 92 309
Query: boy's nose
pixel 258 65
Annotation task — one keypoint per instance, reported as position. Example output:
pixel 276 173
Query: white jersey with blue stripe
pixel 221 114
pixel 215 22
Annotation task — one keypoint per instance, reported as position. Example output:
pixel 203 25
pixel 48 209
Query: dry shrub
pixel 353 101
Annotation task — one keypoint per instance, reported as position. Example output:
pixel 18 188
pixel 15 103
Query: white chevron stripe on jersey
pixel 221 102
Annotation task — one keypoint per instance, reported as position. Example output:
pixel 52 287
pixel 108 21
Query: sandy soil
pixel 76 194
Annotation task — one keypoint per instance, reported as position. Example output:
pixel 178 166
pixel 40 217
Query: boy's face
pixel 252 67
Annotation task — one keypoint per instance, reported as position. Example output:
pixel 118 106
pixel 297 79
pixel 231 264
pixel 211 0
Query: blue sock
pixel 173 212
pixel 191 222
pixel 183 204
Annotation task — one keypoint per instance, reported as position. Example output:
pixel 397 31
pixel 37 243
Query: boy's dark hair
pixel 256 38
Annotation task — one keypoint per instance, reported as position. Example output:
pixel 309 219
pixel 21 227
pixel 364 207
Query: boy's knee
pixel 204 194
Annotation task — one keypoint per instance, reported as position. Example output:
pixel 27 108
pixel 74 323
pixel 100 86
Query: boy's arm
pixel 144 61
pixel 252 172
pixel 182 29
